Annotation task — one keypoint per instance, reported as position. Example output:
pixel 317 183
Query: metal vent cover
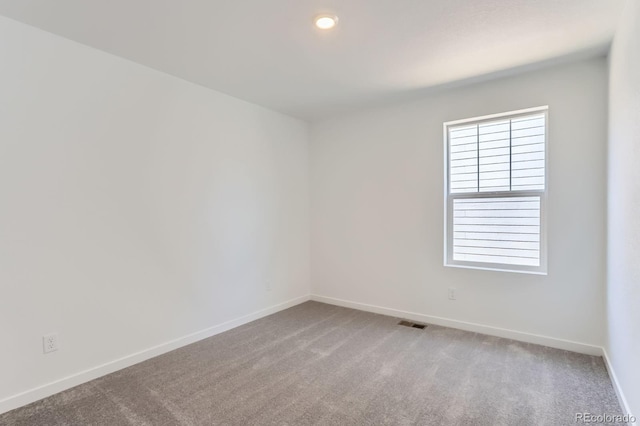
pixel 412 324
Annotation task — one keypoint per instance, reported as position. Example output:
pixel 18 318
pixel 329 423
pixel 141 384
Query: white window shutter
pixel 496 184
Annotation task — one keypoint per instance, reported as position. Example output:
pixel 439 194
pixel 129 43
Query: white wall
pixel 377 209
pixel 135 208
pixel 623 283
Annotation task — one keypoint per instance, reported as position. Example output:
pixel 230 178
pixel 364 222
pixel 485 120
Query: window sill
pixel 486 268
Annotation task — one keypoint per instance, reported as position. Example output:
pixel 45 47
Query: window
pixel 495 191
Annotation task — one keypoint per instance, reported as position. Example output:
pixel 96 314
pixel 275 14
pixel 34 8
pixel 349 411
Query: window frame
pixel 450 197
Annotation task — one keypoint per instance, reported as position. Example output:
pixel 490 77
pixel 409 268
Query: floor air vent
pixel 412 324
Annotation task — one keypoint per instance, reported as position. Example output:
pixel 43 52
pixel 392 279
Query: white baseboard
pixel 616 385
pixel 468 326
pixel 68 382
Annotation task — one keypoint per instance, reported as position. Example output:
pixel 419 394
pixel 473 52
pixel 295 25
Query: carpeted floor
pixel 321 364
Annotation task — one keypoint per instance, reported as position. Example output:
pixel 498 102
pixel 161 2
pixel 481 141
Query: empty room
pixel 319 212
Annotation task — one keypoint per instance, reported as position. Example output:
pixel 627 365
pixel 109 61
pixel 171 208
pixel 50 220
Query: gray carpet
pixel 326 365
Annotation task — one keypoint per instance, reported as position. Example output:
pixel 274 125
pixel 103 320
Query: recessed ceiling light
pixel 326 22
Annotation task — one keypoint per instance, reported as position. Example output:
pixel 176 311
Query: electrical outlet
pixel 452 294
pixel 50 343
pixel 268 285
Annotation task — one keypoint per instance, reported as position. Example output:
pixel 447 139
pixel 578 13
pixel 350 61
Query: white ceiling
pixel 269 53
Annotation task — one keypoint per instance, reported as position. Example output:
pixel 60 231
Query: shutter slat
pixel 500 159
pixel 527 132
pixel 461 163
pixel 492 137
pixel 494 126
pixel 492 251
pixel 502 236
pixel 530 156
pixel 528 121
pixel 523 149
pixel 505 260
pixel 498 167
pixel 528 140
pixel 497 220
pixel 494 152
pixel 497 213
pixel 503 244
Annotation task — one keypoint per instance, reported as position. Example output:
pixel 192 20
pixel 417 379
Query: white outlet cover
pixel 50 343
